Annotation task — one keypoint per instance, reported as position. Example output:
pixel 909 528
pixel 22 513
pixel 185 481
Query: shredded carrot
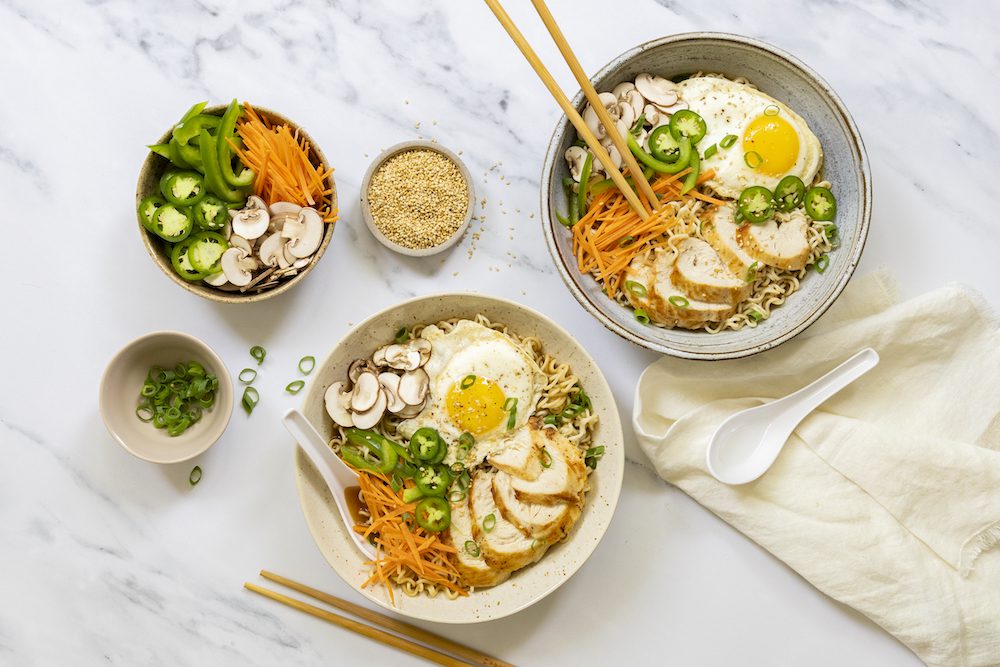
pixel 399 543
pixel 283 162
pixel 611 234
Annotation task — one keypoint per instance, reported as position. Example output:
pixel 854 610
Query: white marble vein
pixel 107 560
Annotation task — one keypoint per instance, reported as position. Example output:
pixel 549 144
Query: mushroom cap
pixel 622 89
pixel 304 234
pixel 235 268
pixel 575 156
pixel 216 279
pixel 283 208
pixel 390 385
pixel 252 220
pixel 414 386
pixel 373 415
pixel 270 249
pixel 610 103
pixel 656 89
pixel 366 392
pixel 337 401
pixel 242 243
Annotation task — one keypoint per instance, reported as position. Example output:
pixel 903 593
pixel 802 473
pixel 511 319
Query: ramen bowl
pixel 526 586
pixel 845 165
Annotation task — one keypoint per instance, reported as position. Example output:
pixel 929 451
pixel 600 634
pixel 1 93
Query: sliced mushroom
pixel 237 266
pixel 652 114
pixel 672 109
pixel 406 356
pixel 239 242
pixel 413 386
pixel 366 392
pixel 270 249
pixel 338 403
pixel 357 367
pixel 413 410
pixel 390 385
pixel 284 208
pixel 252 220
pixel 284 259
pixel 575 157
pixel 304 234
pixel 610 103
pixel 373 415
pixel 301 263
pixel 656 89
pixel 216 279
pixel 626 114
pixel 622 89
pixel 636 101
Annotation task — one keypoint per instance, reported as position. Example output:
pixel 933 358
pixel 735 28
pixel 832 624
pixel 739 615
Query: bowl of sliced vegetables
pixel 236 203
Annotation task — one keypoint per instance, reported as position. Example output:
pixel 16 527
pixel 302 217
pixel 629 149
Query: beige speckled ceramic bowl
pixel 366 211
pixel 119 396
pixel 526 586
pixel 149 183
pixel 845 165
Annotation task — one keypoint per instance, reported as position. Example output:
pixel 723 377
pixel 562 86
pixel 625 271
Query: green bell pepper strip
pixel 146 209
pixel 411 494
pixel 691 179
pixel 658 165
pixel 213 173
pixel 227 132
pixel 433 514
pixel 433 480
pixel 588 165
pixel 182 262
pixel 192 112
pixel 177 157
pixel 182 188
pixel 355 460
pixel 190 129
pixel 386 455
pixel 163 150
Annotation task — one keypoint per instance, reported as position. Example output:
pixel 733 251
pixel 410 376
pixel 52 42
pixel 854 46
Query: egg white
pixel 728 107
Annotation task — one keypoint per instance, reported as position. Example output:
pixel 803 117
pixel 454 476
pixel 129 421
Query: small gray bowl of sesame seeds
pixel 417 198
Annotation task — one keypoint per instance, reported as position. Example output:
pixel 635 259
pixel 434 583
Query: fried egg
pixel 772 141
pixel 481 383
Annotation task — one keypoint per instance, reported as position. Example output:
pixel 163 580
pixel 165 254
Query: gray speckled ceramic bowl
pixel 526 586
pixel 149 180
pixel 845 166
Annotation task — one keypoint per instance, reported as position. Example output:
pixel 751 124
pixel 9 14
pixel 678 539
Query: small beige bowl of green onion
pixel 166 397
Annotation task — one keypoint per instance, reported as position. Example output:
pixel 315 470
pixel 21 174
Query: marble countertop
pixel 105 559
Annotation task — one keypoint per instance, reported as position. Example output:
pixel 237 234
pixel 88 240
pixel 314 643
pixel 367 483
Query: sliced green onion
pixel 753 159
pixel 593 455
pixel 247 375
pixel 457 468
pixel 755 315
pixel 546 458
pixel 396 483
pixel 149 389
pixel 551 420
pixel 751 273
pixel 457 495
pixel 510 405
pixel 627 241
pixel 258 353
pixel 294 387
pixel 472 549
pixel 402 335
pixel 728 141
pixel 822 263
pixel 636 288
pixel 194 369
pixel 641 316
pixel 466 440
pixel 467 381
pixel 771 110
pixel 178 426
pixel 679 301
pixel 710 151
pixel 830 233
pixel 250 399
pixel 145 413
pixel 307 364
pixel 195 475
pixel 489 522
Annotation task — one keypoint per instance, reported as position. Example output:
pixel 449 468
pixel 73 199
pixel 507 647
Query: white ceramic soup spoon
pixel 747 444
pixel 337 475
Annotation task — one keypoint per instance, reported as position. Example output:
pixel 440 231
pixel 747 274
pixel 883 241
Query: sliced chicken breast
pixel 473 570
pixel 719 229
pixel 562 480
pixel 518 455
pixel 675 307
pixel 640 271
pixel 784 245
pixel 549 523
pixel 700 273
pixel 504 547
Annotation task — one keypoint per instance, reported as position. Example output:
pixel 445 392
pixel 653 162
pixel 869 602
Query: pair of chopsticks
pixel 438 649
pixel 574 117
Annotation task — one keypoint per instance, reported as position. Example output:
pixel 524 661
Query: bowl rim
pixel 221 372
pixel 865 209
pixel 618 437
pixel 403 147
pixel 149 240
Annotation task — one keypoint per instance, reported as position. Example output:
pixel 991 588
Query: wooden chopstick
pixel 360 628
pixel 638 177
pixel 412 631
pixel 567 107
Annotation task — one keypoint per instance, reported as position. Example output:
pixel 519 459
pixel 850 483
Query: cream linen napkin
pixel 887 498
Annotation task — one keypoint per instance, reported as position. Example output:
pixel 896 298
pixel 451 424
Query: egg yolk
pixel 775 140
pixel 477 408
